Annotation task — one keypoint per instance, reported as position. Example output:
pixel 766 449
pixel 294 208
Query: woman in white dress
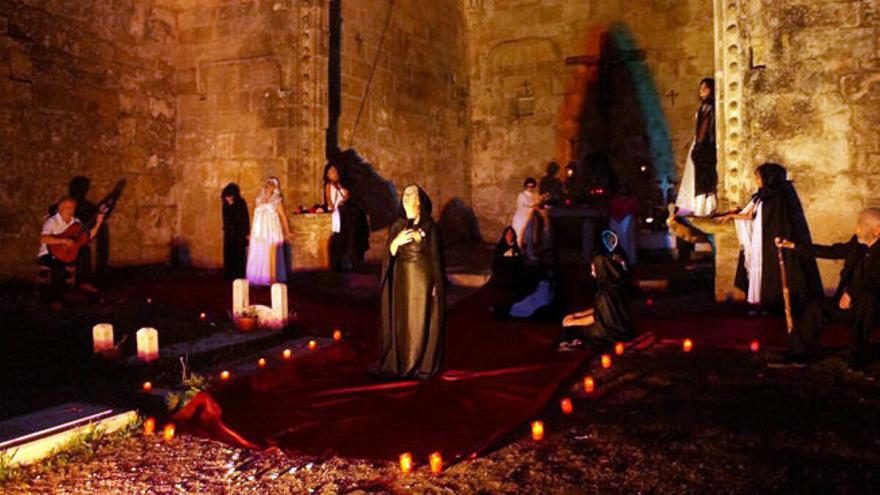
pixel 265 264
pixel 697 192
pixel 335 196
pixel 526 202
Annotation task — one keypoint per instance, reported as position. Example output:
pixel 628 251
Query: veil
pixel 275 198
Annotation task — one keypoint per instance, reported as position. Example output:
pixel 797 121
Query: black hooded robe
pixel 413 299
pixel 783 216
pixel 704 153
pixel 236 228
pixel 611 311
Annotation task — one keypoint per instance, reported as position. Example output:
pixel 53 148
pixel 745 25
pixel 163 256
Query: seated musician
pixel 53 227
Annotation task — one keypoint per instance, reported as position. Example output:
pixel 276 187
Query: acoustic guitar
pixel 80 236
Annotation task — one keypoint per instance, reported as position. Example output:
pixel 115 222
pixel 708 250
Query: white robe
pixel 751 241
pixel 688 204
pixel 525 201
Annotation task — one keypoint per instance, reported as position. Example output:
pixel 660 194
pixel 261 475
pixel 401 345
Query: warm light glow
pixel 279 305
pixel 643 168
pixel 337 335
pixel 149 300
pixel 168 432
pixel 102 337
pixel 589 385
pixel 313 345
pixel 147 344
pixel 649 220
pixel 149 426
pixel 240 295
pixel 619 348
pixel 261 362
pixel 436 462
pixel 406 462
pixel 287 354
pixel 565 405
pixel 537 430
pixel 224 375
pixel 606 361
pixel 649 302
pixel 755 346
pixel 203 316
pixel 147 386
pixel 687 345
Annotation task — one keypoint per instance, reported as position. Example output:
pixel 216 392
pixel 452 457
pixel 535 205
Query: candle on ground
pixel 589 385
pixel 337 335
pixel 313 345
pixel 147 344
pixel 102 337
pixel 149 426
pixel 606 361
pixel 687 345
pixel 240 296
pixel 287 354
pixel 618 348
pixel 436 461
pixel 537 430
pixel 224 375
pixel 168 432
pixel 565 405
pixel 406 462
pixel 755 346
pixel 203 316
pixel 261 362
pixel 147 386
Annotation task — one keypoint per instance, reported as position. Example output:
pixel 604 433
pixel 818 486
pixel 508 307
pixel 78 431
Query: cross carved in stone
pixel 672 94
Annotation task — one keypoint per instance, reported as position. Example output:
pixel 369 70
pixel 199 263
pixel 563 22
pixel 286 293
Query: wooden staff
pixel 786 295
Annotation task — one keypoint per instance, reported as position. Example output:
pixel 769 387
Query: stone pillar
pixel 310 246
pixel 725 247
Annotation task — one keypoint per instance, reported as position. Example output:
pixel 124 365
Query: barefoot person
pixel 856 301
pixel 53 227
pixel 413 293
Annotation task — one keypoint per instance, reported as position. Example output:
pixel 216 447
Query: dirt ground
pixel 661 421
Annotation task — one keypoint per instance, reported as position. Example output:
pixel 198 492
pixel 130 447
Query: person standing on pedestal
pixel 413 299
pixel 265 264
pixel 697 193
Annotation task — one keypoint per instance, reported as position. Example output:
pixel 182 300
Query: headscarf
pixel 424 203
pixel 275 198
pixel 502 246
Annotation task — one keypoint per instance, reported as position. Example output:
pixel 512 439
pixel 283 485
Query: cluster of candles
pixel 435 460
pixel 167 432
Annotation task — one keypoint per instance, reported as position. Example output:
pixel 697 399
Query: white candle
pixel 240 295
pixel 279 305
pixel 102 337
pixel 147 344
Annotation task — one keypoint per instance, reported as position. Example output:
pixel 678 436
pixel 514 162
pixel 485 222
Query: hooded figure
pixel 413 293
pixel 236 227
pixel 775 211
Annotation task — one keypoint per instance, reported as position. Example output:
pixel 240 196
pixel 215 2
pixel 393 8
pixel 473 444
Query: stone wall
pixel 86 88
pixel 413 126
pixel 517 48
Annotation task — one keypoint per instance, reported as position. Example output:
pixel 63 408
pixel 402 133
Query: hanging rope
pixel 357 119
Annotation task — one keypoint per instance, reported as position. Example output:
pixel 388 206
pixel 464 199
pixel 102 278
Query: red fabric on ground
pixel 497 376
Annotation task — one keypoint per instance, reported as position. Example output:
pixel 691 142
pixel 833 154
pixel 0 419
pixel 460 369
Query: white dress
pixel 336 196
pixel 525 201
pixel 688 204
pixel 265 263
pixel 749 234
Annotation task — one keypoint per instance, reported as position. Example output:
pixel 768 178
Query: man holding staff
pixel 856 301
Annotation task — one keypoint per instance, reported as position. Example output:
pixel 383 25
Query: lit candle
pixel 149 300
pixel 203 316
pixel 102 337
pixel 436 461
pixel 337 335
pixel 566 406
pixel 287 354
pixel 755 346
pixel 313 345
pixel 240 296
pixel 147 386
pixel 224 375
pixel 149 426
pixel 618 348
pixel 589 385
pixel 650 302
pixel 606 361
pixel 687 345
pixel 406 462
pixel 168 432
pixel 537 430
pixel 147 344
pixel 279 305
pixel 261 362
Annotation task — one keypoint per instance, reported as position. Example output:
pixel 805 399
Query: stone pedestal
pixel 310 245
pixel 726 247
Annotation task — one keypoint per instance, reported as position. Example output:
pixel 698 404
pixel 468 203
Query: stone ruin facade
pixel 466 97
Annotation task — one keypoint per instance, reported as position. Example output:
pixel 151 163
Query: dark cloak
pixel 236 227
pixel 413 299
pixel 782 216
pixel 507 271
pixel 612 311
pixel 704 153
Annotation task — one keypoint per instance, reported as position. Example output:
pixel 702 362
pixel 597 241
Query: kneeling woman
pixel 413 293
pixel 609 321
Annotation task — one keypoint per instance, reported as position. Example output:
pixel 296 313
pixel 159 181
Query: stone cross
pixel 672 94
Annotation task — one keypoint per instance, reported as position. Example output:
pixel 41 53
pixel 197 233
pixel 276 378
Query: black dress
pixel 236 227
pixel 704 154
pixel 612 311
pixel 783 216
pixel 413 304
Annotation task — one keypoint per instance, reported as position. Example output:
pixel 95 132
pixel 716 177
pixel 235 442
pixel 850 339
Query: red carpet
pixel 498 376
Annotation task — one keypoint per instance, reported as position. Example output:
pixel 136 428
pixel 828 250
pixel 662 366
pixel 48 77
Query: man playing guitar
pixel 52 235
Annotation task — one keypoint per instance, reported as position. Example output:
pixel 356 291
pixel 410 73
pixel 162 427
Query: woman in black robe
pixel 781 215
pixel 236 228
pixel 609 320
pixel 413 293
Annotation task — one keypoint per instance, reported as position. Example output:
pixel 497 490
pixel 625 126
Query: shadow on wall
pixel 369 190
pixel 612 110
pixel 458 224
